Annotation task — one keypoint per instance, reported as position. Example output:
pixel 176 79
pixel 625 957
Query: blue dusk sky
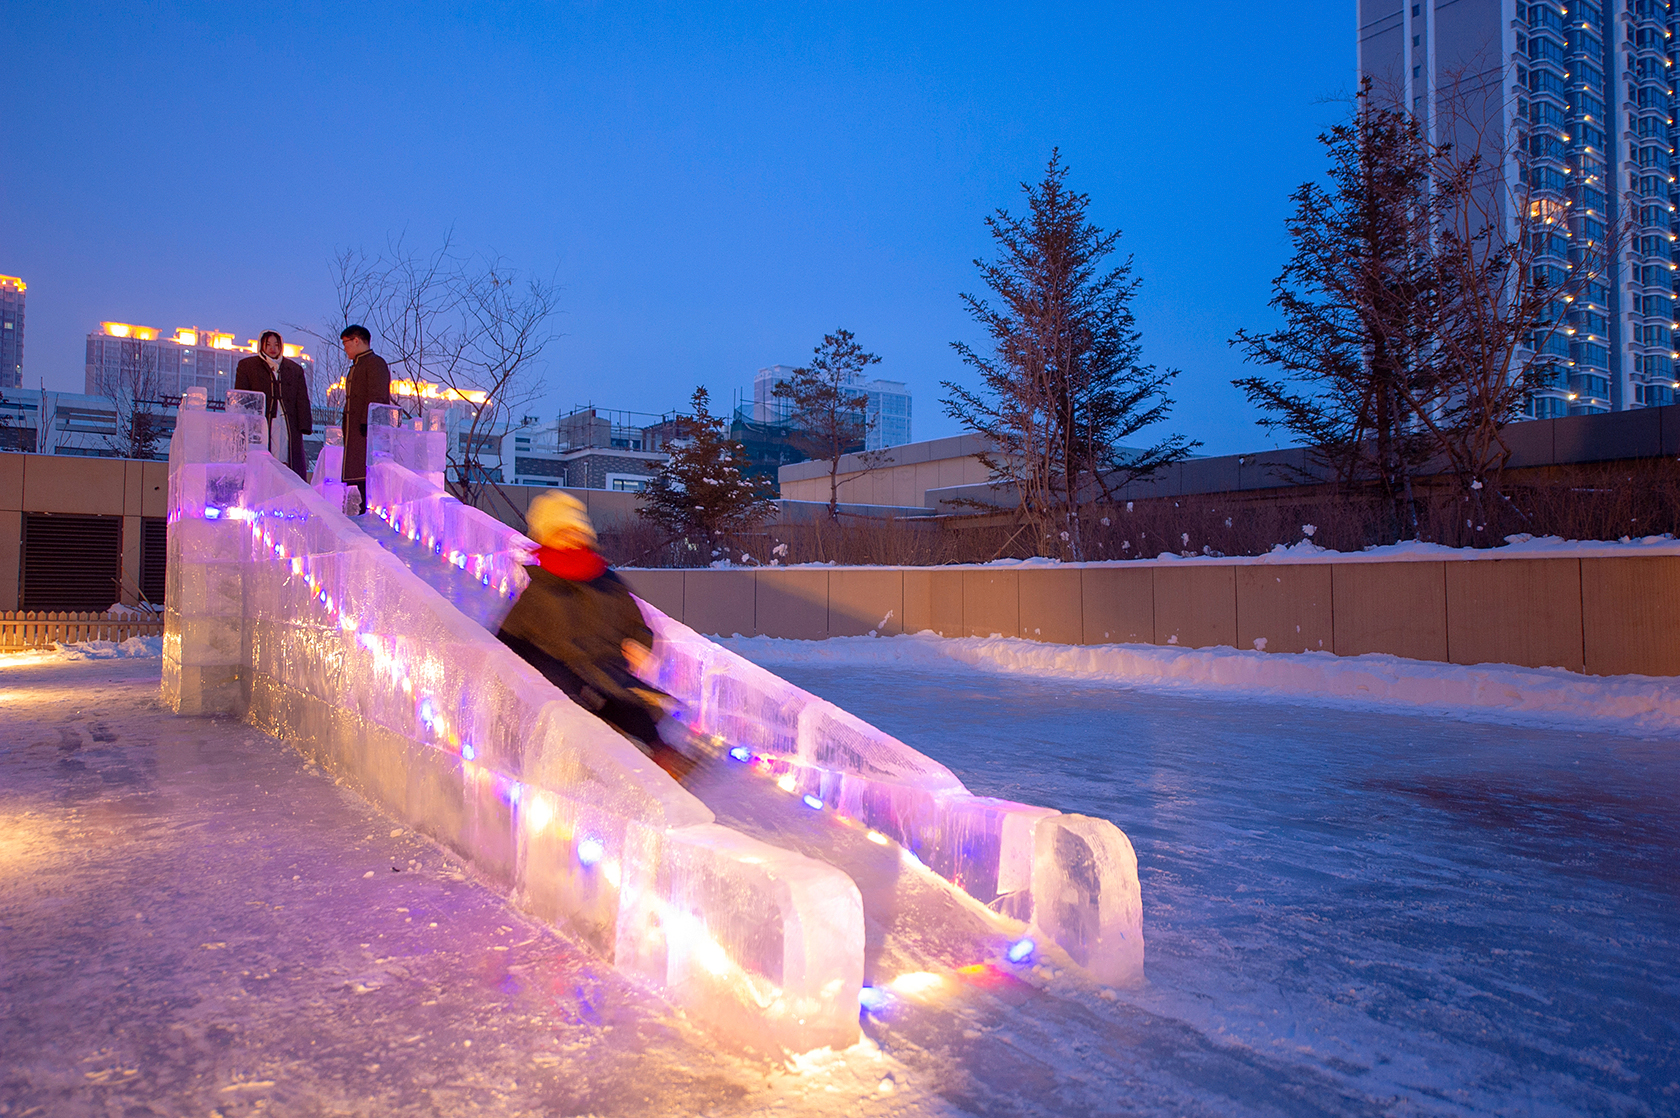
pixel 714 186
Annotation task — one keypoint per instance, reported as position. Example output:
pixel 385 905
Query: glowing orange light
pixel 129 330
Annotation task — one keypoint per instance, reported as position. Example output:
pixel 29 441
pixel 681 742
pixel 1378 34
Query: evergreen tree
pixel 827 409
pixel 1063 382
pixel 703 495
pixel 1361 303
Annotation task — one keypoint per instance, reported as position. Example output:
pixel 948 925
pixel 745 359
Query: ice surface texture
pixel 1073 877
pixel 281 610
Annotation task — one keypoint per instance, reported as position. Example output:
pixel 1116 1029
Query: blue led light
pixel 741 753
pixel 813 802
pixel 590 851
pixel 468 752
pixel 513 793
pixel 873 998
pixel 212 513
pixel 1019 950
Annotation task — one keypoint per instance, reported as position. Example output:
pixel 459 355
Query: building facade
pixel 124 359
pixel 886 410
pixel 1581 98
pixel 591 448
pixel 11 331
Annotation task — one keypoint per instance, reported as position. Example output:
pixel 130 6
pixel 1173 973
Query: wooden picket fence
pixel 29 629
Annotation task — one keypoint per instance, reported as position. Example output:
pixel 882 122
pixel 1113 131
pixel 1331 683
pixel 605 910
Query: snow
pixel 132 648
pixel 1502 692
pixel 1521 546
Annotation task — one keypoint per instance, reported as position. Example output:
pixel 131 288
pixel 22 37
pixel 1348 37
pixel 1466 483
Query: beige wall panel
pixel 132 476
pixel 90 486
pixel 663 590
pixel 792 604
pixel 154 489
pixel 1196 607
pixel 1630 611
pixel 719 603
pixel 1397 608
pixel 1286 606
pixel 1515 611
pixel 1052 609
pixel 927 477
pixel 991 603
pixel 945 602
pixel 11 535
pixel 130 593
pixel 1118 605
pixel 918 599
pixel 861 601
pixel 904 491
pixel 11 482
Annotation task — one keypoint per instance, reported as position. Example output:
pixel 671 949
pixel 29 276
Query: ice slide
pixel 821 855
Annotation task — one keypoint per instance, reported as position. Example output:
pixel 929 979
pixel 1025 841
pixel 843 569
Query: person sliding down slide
pixel 577 624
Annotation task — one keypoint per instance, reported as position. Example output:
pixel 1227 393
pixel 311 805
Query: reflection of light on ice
pixel 916 983
pixel 787 783
pixel 878 838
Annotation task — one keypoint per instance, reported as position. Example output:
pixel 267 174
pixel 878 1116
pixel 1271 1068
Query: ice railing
pixel 337 646
pixel 1074 878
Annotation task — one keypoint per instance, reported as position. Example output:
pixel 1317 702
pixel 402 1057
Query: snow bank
pixel 1548 696
pixel 132 648
pixel 1521 546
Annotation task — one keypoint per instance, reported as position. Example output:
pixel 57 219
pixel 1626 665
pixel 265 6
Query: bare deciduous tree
pixel 470 327
pixel 133 388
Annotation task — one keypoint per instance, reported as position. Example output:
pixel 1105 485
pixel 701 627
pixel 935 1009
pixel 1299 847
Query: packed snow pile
pixel 132 648
pixel 1548 696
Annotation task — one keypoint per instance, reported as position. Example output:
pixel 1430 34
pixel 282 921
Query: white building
pixel 126 359
pixel 886 410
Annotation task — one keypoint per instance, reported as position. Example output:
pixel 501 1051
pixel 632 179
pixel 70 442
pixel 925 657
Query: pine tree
pixel 703 495
pixel 827 409
pixel 1063 383
pixel 1360 300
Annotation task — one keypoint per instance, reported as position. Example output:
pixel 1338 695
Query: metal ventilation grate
pixel 69 562
pixel 154 558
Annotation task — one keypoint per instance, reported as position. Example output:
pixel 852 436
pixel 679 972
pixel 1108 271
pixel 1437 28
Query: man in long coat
pixel 367 382
pixel 286 385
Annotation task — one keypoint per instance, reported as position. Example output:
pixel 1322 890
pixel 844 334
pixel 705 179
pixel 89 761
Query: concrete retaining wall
pixel 1602 616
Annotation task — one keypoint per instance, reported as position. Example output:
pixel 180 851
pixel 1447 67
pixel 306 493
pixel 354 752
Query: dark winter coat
pixel 368 382
pixel 573 631
pixel 291 393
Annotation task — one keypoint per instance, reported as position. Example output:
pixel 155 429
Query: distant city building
pixel 11 331
pixel 886 412
pixel 1585 89
pixel 131 360
pixel 592 448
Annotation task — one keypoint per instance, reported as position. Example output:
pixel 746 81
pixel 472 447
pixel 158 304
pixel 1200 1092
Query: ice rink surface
pixel 1362 911
pixel 1348 913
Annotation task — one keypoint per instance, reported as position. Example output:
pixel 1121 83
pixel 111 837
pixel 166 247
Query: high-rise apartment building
pixel 128 360
pixel 11 332
pixel 1577 100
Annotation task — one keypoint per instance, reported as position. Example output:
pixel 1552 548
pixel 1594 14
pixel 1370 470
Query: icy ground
pixel 1347 911
pixel 195 922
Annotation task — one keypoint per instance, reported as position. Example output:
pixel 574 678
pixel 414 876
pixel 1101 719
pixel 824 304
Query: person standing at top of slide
pixel 367 382
pixel 283 381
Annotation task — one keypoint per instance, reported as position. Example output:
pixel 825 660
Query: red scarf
pixel 576 564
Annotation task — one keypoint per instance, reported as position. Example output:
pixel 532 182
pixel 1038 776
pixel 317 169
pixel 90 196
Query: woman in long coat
pixel 283 381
